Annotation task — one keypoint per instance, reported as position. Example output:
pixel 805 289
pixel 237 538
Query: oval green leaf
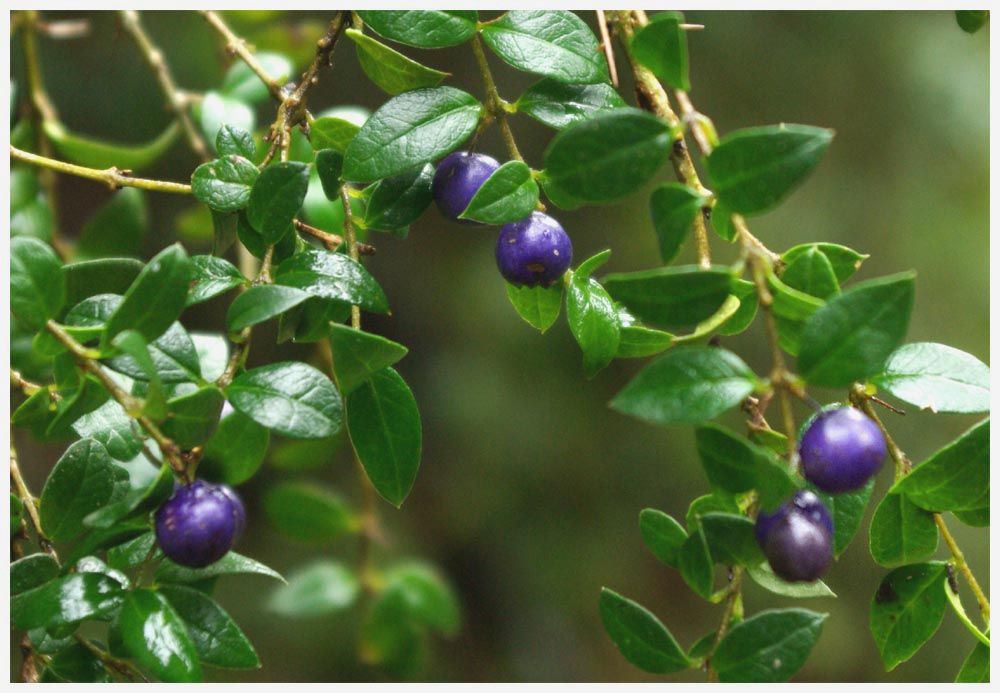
pixel 156 637
pixel 333 276
pixel 768 647
pixel 661 46
pixel 560 105
pixel 308 512
pixel 224 184
pixel 357 355
pixel 672 297
pixel 398 201
pixel 291 398
pixel 320 589
pixel 901 532
pixel 390 70
pixel 663 535
pixel 260 303
pixel 68 599
pixel 216 637
pixel 82 481
pixel 906 610
pixel 423 28
pixel 937 377
pixel 37 285
pixel 539 306
pixel 673 208
pixel 641 638
pixel 212 276
pixel 509 194
pixel 276 197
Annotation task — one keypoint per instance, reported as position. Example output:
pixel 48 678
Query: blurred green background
pixel 530 487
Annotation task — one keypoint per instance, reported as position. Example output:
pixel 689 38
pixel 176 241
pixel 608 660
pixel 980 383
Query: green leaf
pixel 307 512
pixel 812 273
pixel 729 460
pixel 687 386
pixel 132 552
pixel 357 355
pixel 136 501
pixel 215 636
pixel 673 208
pixel 398 201
pixel 722 221
pixel 254 240
pixel 81 482
pixel 216 110
pixel 410 129
pixel 212 276
pixel 593 320
pixel 768 647
pixel 663 535
pixel 429 597
pixel 553 43
pixel 75 664
pixel 937 377
pixel 974 518
pixel 329 166
pixel 390 638
pixel 956 477
pixel 70 599
pixel 661 46
pixel 37 285
pixel 845 262
pixel 509 194
pixel 847 511
pixel 333 276
pixel 765 577
pixel 97 539
pixel 906 610
pixel 560 105
pixel 155 636
pixel 16 514
pixel 276 198
pixel 714 502
pixel 641 638
pixel 94 153
pixel 322 588
pixel 77 402
pixel 291 398
pixel 32 571
pixel 851 337
pixel 791 309
pixel 384 424
pixel 260 303
pixel 192 418
pixel 635 341
pixel 976 667
pixel 231 563
pixel 172 358
pixel 224 184
pixel 155 299
pixel 539 306
pixel 332 133
pixel 755 168
pixel 30 212
pixel 117 228
pixel 93 277
pixel 234 454
pixel 390 70
pixel 672 297
pixel 235 141
pixel 695 562
pixel 731 539
pixel 609 155
pixel 422 28
pixel 971 21
pixel 901 532
pixel 242 84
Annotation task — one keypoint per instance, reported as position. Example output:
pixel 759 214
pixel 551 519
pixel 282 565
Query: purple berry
pixel 458 177
pixel 199 524
pixel 534 251
pixel 797 539
pixel 841 450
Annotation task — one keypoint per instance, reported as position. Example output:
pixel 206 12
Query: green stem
pixel 28 500
pixel 963 568
pixel 238 46
pixel 727 615
pixel 493 101
pixel 956 605
pixel 113 177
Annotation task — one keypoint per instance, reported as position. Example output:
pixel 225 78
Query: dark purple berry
pixel 458 177
pixel 534 251
pixel 841 450
pixel 797 539
pixel 199 524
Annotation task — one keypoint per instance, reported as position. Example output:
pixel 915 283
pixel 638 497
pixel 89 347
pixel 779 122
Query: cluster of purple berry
pixel 534 251
pixel 199 523
pixel 840 450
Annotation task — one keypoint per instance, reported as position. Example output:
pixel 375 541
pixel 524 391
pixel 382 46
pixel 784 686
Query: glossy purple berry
pixel 199 524
pixel 797 539
pixel 458 177
pixel 534 251
pixel 841 450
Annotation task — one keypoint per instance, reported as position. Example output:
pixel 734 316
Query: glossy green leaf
pixel 686 386
pixel 422 28
pixel 117 228
pixel 847 511
pixel 215 636
pixel 398 201
pixel 609 155
pixel 729 460
pixel 971 21
pixel 329 167
pixel 851 337
pixel 671 297
pixel 136 501
pixel 276 197
pixel 812 273
pixel 553 43
pixel 317 590
pixel 70 599
pixel 224 184
pixel 509 194
pixel 212 276
pixel 235 141
pixel 216 110
pixel 94 153
pixel 307 512
pixel 635 341
pixel 310 321
pixel 81 482
pixel 384 424
pixel 641 638
pixel 410 129
pixel 229 564
pixel 754 169
pixel 901 532
pixel 79 401
pixel 254 240
pixel 291 398
pixel 844 261
pixel 956 477
pixel 906 610
pixel 243 84
pixel 37 285
pixel 593 320
pixel 768 647
pixel 155 299
pixel 663 535
pixel 94 277
pixel 132 552
pixel 332 133
pixel 260 303
pixel 673 208
pixel 430 599
pixel 695 562
pixel 357 355
pixel 156 637
pixel 762 574
pixel 731 539
pixel 976 667
pixel 333 276
pixel 390 70
pixel 236 450
pixel 32 571
pixel 103 538
pixel 173 358
pixel 539 306
pixel 661 46
pixel 937 377
pixel 192 418
pixel 560 105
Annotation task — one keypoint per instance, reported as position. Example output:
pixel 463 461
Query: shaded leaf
pixel 671 297
pixel 390 70
pixel 768 647
pixel 901 532
pixel 37 285
pixel 357 355
pixel 423 28
pixel 539 306
pixel 215 636
pixel 156 637
pixel 661 46
pixel 82 481
pixel 906 610
pixel 560 105
pixel 317 590
pixel 308 512
pixel 641 638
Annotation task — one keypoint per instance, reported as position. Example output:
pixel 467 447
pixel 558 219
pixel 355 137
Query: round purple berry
pixel 458 177
pixel 797 539
pixel 534 251
pixel 199 524
pixel 841 450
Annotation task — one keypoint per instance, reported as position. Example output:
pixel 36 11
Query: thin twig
pixel 122 666
pixel 494 103
pixel 331 240
pixel 609 51
pixel 727 614
pixel 28 500
pixel 238 46
pixel 113 177
pixel 963 567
